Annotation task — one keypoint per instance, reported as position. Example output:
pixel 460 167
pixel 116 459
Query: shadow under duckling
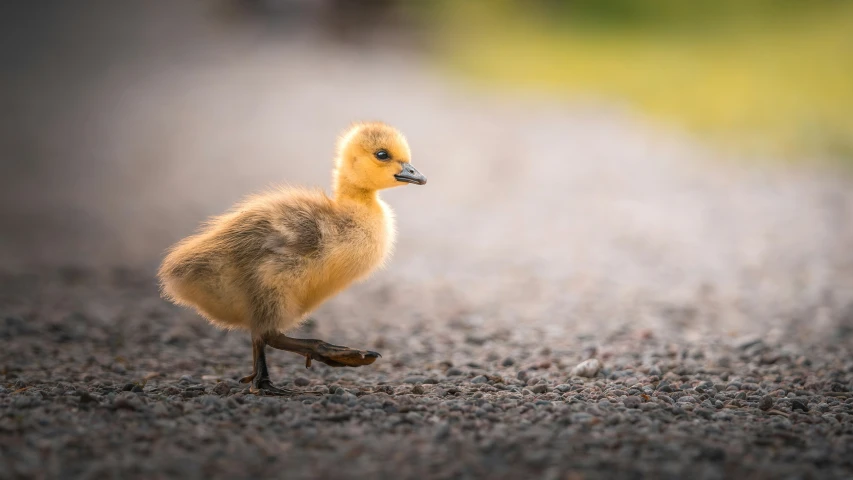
pixel 275 257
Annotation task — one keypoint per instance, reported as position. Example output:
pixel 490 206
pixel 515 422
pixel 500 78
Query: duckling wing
pixel 297 232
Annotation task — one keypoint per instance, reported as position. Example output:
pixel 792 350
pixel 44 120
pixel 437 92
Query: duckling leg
pixel 249 378
pixel 332 355
pixel 260 377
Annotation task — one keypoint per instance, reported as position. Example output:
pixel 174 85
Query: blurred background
pixel 585 158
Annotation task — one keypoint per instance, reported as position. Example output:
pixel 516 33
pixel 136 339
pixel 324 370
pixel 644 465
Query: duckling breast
pixel 353 247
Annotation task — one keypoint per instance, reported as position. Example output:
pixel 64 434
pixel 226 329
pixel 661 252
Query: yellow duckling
pixel 275 257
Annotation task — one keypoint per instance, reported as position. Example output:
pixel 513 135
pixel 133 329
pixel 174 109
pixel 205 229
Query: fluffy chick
pixel 275 257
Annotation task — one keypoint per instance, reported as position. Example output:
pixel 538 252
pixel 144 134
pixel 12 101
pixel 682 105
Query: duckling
pixel 275 257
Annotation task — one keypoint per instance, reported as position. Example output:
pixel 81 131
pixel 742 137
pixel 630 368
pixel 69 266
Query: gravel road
pixel 101 379
pixel 577 293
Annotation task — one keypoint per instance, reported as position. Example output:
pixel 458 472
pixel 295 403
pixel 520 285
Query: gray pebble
pixel 221 388
pixel 301 382
pixel 799 405
pixel 539 388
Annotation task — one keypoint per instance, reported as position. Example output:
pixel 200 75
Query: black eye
pixel 382 155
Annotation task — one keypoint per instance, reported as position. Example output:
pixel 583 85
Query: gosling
pixel 275 257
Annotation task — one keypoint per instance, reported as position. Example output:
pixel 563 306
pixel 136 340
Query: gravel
pixel 178 410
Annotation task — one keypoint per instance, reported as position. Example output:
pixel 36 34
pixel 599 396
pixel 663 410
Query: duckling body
pixel 287 250
pixel 277 256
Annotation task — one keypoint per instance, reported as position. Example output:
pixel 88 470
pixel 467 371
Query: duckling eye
pixel 382 155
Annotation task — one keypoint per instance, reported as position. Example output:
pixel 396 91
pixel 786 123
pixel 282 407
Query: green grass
pixel 766 81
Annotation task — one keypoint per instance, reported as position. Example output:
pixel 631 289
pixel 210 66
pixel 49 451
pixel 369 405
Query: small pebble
pixel 221 388
pixel 301 382
pixel 539 388
pixel 587 368
pixel 798 405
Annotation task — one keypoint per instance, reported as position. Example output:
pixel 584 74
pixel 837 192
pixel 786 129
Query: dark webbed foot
pixel 332 355
pixel 260 379
pixel 263 386
pixel 338 356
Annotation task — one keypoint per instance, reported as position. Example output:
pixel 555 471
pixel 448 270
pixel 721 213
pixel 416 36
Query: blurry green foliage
pixel 666 14
pixel 769 76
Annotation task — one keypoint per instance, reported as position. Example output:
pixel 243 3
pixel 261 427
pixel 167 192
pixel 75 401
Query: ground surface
pixel 101 379
pixel 717 299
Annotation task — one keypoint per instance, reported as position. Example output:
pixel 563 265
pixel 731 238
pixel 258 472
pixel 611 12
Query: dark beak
pixel 410 175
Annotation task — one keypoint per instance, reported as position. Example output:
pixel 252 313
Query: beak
pixel 411 175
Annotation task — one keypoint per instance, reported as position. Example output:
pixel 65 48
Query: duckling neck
pixel 351 193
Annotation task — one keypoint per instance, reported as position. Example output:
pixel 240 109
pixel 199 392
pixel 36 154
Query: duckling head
pixel 374 156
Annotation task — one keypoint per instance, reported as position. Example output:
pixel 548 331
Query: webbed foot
pixel 332 355
pixel 265 387
pixel 338 356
